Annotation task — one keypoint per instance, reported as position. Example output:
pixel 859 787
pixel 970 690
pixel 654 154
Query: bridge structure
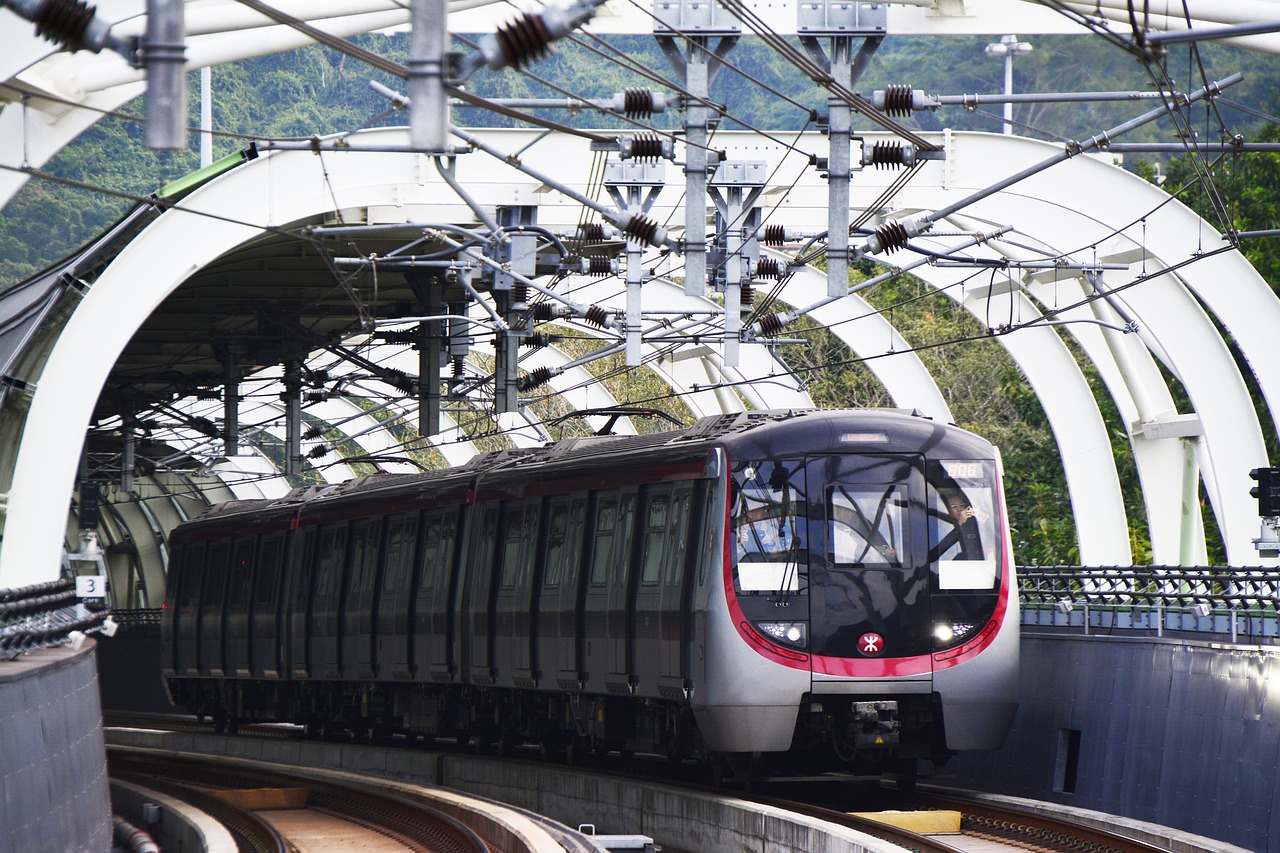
pixel 305 312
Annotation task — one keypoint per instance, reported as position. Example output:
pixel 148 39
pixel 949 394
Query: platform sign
pixel 91 586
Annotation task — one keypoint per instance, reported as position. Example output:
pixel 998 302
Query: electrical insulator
pixel 746 296
pixel 768 268
pixel 519 293
pixel 891 236
pixel 318 451
pixel 538 340
pixel 542 312
pixel 892 155
pixel 534 378
pixel 773 235
pixel 313 433
pixel 591 233
pixel 642 228
pixel 598 266
pixel 597 316
pixel 639 103
pixel 645 146
pixel 895 100
pixel 770 325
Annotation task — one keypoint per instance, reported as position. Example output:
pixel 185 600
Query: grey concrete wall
pixel 53 765
pixel 1179 733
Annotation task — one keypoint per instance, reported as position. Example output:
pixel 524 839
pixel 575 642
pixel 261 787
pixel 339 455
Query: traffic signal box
pixel 1267 491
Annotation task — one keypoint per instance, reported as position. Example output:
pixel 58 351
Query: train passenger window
pixel 241 573
pixel 654 540
pixel 430 551
pixel 215 576
pixel 962 524
pixel 269 560
pixel 867 524
pixel 364 554
pixel 192 564
pixel 400 533
pixel 606 522
pixel 511 549
pixel 556 549
pixel 768 527
pixel 329 559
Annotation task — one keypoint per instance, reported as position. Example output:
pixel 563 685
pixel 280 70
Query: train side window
pixel 192 566
pixel 556 547
pixel 215 575
pixel 602 550
pixel 867 524
pixel 655 539
pixel 329 558
pixel 241 573
pixel 363 553
pixel 400 536
pixel 511 547
pixel 430 551
pixel 269 559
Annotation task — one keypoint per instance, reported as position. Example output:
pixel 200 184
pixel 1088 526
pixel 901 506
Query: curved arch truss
pixel 284 323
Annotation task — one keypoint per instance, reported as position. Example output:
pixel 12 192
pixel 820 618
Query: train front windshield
pixel 895 546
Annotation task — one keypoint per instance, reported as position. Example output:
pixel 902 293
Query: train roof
pixel 885 429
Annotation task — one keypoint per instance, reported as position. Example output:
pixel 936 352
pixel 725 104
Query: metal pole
pixel 206 116
pixel 163 55
pixel 429 106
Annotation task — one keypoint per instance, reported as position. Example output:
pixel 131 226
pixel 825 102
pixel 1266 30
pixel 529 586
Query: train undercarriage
pixel 834 734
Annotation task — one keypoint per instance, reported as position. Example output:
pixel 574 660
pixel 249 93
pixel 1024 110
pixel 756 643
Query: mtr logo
pixel 871 644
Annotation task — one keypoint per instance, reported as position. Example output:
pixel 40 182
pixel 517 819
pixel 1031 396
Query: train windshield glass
pixel 768 528
pixel 868 523
pixel 962 524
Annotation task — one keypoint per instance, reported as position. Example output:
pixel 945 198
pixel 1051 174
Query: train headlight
pixel 794 634
pixel 948 632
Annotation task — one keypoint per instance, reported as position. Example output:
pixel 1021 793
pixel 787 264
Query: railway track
pixel 982 825
pixel 282 813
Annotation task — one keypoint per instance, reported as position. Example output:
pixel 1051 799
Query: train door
pixel 561 586
pixel 212 630
pixel 869 569
pixel 301 582
pixel 239 596
pixel 480 599
pixel 434 655
pixel 621 600
pixel 359 603
pixel 188 578
pixel 674 609
pixel 395 603
pixel 265 628
pixel 593 651
pixel 326 601
pixel 513 599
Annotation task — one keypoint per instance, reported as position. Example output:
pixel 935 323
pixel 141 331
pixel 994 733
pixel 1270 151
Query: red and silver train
pixel 817 589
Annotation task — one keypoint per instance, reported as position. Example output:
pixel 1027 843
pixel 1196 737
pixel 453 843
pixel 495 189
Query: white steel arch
pixel 1073 211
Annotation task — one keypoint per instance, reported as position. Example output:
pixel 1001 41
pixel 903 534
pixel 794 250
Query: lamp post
pixel 1007 47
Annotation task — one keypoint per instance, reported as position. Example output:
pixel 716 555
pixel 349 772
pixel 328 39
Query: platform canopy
pixel 278 313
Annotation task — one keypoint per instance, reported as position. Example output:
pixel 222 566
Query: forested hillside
pixel 315 91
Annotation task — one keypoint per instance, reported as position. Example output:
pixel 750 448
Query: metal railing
pixel 46 615
pixel 1223 602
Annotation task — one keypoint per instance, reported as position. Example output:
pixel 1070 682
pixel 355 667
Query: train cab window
pixel 962 524
pixel 768 528
pixel 654 540
pixel 602 549
pixel 867 524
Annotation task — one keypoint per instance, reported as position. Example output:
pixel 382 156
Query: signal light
pixel 1267 491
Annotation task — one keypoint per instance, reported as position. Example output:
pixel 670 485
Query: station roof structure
pixel 288 269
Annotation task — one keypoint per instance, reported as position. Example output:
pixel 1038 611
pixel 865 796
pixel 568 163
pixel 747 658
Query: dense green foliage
pixel 314 92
